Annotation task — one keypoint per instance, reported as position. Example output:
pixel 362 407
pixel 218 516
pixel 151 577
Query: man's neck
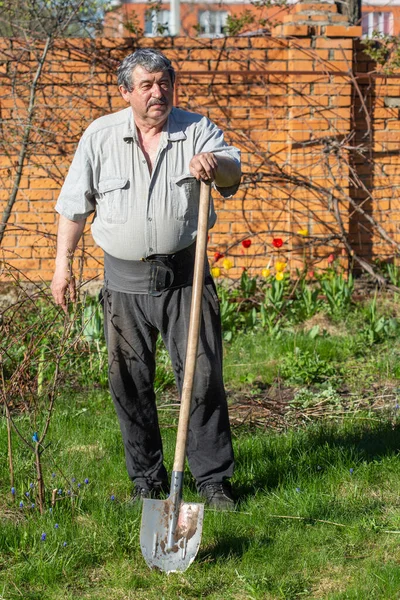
pixel 148 129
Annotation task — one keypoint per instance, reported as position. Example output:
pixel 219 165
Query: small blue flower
pixel 50 510
pixel 13 491
pixel 56 526
pixel 86 480
pixel 53 475
pixel 35 437
pixel 27 494
pixel 43 537
pixel 69 492
pixel 113 497
pixel 73 480
pixel 79 485
pixel 64 544
pixel 31 485
pixel 298 490
pixel 59 492
pixel 21 505
pixel 351 471
pixel 397 406
pixel 32 505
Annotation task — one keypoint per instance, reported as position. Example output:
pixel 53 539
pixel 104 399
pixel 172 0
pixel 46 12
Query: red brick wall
pixel 292 105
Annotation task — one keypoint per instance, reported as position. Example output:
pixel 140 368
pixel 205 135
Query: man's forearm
pixel 69 234
pixel 228 172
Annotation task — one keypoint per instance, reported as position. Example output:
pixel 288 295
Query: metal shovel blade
pixel 159 551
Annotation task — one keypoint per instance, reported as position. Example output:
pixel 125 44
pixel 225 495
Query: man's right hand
pixel 63 288
pixel 63 283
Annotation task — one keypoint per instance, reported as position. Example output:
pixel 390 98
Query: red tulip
pixel 218 256
pixel 246 243
pixel 330 259
pixel 277 242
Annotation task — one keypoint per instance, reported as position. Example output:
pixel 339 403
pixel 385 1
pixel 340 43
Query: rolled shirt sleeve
pixel 211 139
pixel 76 200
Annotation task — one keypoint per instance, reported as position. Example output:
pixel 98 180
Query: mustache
pixel 155 101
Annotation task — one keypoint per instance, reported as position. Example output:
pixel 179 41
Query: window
pixel 156 22
pixel 212 22
pixel 377 21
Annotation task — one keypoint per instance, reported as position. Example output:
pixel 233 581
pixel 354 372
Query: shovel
pixel 171 529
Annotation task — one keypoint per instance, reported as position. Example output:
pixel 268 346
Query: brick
pixel 300 64
pixel 341 31
pixel 265 42
pixel 31 217
pixel 277 54
pixel 44 183
pixel 322 42
pixel 290 30
pixel 25 263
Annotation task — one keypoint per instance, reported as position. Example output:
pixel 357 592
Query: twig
pixel 308 519
pixel 8 416
pixel 390 531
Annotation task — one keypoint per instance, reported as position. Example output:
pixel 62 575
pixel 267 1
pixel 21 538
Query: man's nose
pixel 156 91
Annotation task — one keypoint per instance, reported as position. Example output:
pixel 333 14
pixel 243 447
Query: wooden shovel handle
pixel 194 327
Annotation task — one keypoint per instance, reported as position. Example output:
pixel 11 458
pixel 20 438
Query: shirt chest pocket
pixel 113 198
pixel 185 193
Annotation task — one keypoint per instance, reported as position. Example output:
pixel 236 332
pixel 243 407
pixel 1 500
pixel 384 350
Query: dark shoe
pixel 218 496
pixel 156 491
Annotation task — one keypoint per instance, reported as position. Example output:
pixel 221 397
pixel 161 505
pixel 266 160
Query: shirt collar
pixel 175 131
pixel 174 128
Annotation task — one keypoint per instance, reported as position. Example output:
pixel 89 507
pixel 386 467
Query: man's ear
pixel 124 93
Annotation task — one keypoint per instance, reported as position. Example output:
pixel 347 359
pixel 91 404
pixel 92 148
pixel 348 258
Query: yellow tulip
pixel 280 266
pixel 302 232
pixel 265 273
pixel 279 276
pixel 227 264
pixel 215 271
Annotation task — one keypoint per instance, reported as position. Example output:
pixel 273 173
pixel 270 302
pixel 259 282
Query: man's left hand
pixel 204 166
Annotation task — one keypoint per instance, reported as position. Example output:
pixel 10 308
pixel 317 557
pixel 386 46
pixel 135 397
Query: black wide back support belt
pixel 151 275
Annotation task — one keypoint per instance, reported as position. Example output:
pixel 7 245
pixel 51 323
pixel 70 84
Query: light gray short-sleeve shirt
pixel 137 214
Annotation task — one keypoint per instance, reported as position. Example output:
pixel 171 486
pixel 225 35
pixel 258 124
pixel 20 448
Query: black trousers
pixel 132 323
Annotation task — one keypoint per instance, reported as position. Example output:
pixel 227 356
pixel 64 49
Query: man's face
pixel 151 97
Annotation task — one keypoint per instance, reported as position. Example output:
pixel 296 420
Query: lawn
pixel 318 516
pixel 314 408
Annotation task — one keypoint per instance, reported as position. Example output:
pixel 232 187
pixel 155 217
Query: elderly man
pixel 139 171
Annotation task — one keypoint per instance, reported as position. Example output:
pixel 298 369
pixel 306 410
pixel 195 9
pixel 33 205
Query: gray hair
pixel 153 61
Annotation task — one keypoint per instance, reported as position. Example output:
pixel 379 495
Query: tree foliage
pixel 41 18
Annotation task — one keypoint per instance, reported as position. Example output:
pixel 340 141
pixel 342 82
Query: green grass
pixel 319 509
pixel 306 527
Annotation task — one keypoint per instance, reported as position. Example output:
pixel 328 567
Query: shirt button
pixel 151 250
pixel 149 219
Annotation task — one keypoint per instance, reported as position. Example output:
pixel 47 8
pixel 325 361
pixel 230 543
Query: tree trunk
pixel 350 8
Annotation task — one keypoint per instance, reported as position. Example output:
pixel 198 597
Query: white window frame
pixel 157 17
pixel 205 20
pixel 369 17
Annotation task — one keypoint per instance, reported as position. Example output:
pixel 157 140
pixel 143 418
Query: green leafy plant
pixel 235 24
pixel 378 328
pixel 307 367
pixel 230 315
pixel 273 307
pixel 248 285
pixel 384 50
pixel 337 290
pixel 306 301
